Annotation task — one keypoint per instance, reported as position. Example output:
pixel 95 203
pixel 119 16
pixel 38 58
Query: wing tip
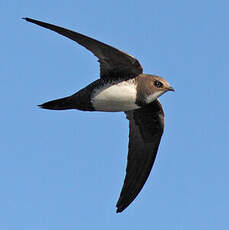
pixel 40 106
pixel 119 209
pixel 30 20
pixel 121 205
pixel 25 18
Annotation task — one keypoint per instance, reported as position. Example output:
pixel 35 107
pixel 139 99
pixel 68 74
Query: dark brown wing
pixel 113 62
pixel 146 128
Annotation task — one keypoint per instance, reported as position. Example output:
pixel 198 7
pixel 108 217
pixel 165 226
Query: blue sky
pixel 65 169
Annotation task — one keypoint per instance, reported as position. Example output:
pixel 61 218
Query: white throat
pixel 153 96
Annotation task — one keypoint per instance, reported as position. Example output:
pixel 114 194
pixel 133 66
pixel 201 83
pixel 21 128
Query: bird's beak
pixel 170 89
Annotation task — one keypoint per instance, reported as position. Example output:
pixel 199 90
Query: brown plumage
pixel 122 87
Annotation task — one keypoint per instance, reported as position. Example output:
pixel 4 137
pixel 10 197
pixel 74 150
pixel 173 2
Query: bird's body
pixel 116 96
pixel 110 95
pixel 122 87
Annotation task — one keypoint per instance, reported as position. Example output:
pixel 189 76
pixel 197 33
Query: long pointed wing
pixel 146 128
pixel 113 62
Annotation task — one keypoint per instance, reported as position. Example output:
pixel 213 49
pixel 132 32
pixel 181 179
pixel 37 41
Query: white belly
pixel 115 98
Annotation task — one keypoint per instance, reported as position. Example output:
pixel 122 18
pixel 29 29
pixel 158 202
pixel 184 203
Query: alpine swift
pixel 122 87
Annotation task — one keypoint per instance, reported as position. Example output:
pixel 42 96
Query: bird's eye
pixel 158 84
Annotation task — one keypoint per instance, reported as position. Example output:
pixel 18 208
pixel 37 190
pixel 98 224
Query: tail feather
pixel 59 104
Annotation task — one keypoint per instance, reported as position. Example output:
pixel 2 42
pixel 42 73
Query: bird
pixel 122 87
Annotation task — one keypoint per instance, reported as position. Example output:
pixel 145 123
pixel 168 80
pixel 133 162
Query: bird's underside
pixel 146 122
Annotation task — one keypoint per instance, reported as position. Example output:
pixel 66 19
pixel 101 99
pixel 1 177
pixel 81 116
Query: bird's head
pixel 150 87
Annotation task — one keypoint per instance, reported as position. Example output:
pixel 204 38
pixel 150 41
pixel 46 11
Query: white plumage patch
pixel 115 97
pixel 154 96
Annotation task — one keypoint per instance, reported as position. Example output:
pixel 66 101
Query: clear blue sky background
pixel 65 169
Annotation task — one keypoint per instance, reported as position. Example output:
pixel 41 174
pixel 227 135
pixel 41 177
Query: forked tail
pixel 59 104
